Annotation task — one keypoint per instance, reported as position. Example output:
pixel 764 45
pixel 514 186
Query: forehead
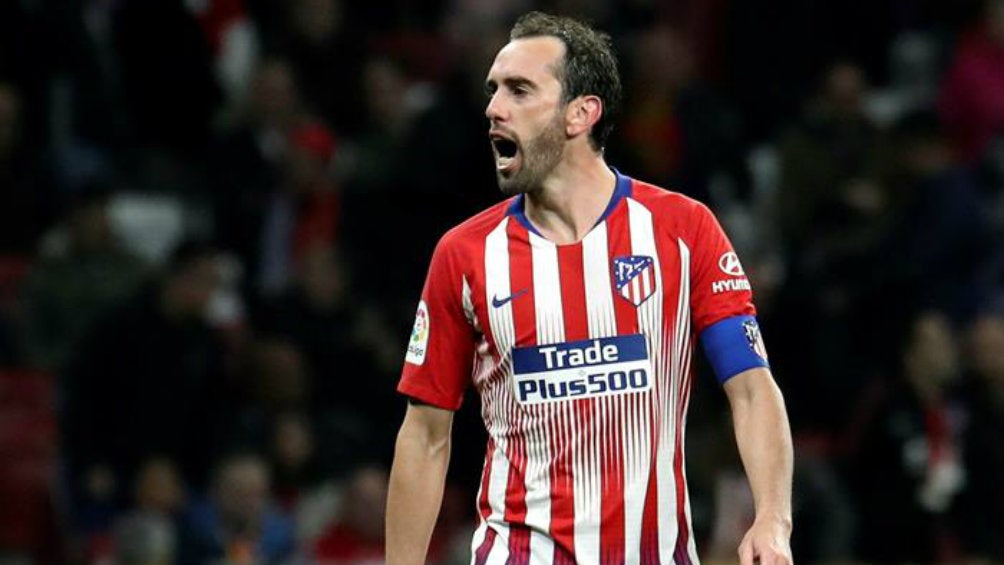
pixel 533 58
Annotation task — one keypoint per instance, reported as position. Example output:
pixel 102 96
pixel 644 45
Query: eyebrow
pixel 511 82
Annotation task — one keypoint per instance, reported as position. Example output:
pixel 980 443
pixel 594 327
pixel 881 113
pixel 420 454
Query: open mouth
pixel 506 152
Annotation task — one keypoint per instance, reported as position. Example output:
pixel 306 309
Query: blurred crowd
pixel 216 215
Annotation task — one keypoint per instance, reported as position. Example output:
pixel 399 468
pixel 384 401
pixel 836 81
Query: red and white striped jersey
pixel 581 356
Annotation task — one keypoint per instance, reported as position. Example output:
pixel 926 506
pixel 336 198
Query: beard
pixel 539 157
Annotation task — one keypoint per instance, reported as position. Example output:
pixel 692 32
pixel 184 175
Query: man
pixel 570 308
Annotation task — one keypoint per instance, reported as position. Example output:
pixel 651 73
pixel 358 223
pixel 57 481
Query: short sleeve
pixel 440 353
pixel 722 301
pixel 719 287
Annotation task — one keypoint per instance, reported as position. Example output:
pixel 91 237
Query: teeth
pixel 504 162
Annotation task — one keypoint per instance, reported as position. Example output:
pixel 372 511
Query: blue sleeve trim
pixel 734 345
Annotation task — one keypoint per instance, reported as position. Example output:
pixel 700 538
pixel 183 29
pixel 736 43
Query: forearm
pixel 764 440
pixel 415 495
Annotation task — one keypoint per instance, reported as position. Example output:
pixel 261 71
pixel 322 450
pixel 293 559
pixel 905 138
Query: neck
pixel 572 199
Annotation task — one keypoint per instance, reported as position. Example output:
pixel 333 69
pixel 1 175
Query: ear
pixel 582 114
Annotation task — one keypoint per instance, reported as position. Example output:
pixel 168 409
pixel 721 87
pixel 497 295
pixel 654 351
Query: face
pixel 194 286
pixel 932 354
pixel 242 492
pixel 527 121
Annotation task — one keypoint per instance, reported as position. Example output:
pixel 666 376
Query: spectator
pixel 326 53
pixel 248 158
pixel 149 379
pixel 144 539
pixel 834 144
pixel 983 499
pixel 909 467
pixel 971 105
pixel 940 253
pixel 303 211
pixel 238 523
pixel 337 335
pixel 356 537
pixel 836 216
pixel 676 131
pixel 159 489
pixel 293 458
pixel 71 287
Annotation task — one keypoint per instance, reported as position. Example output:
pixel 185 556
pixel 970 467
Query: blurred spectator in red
pixel 356 536
pixel 305 209
pixel 909 469
pixel 972 106
pixel 238 523
pixel 675 130
pixel 149 379
pixel 81 275
pixel 983 499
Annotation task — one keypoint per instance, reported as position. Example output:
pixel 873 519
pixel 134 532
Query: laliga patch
pixel 752 331
pixel 419 342
pixel 634 278
pixel 590 368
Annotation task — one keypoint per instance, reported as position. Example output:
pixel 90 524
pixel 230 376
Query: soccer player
pixel 571 308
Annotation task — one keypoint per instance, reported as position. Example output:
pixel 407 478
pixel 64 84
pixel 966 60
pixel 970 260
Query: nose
pixel 495 111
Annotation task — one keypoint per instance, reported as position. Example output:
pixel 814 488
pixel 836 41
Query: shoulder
pixel 669 208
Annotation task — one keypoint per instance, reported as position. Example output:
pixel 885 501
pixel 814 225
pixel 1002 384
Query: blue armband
pixel 734 345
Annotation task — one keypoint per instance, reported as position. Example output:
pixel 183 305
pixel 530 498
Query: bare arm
pixel 764 440
pixel 421 457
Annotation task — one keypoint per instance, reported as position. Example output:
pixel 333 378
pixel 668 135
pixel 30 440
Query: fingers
pixel 759 552
pixel 771 555
pixel 746 553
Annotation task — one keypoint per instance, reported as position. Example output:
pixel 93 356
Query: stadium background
pixel 215 217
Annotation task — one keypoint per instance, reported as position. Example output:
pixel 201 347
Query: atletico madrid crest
pixel 634 278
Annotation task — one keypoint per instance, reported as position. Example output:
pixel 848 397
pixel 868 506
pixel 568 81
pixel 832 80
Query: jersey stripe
pixel 681 551
pixel 550 329
pixel 521 301
pixel 573 301
pixel 598 287
pixel 497 401
pixel 638 432
pixel 611 410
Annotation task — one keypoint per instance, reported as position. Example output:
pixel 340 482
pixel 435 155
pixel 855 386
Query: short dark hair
pixel 589 66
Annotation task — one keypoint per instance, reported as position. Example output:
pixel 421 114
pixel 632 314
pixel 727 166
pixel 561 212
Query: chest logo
pixel 634 277
pixel 589 368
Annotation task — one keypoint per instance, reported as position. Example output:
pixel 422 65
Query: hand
pixel 766 543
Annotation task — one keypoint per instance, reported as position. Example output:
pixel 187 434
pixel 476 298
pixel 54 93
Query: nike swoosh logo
pixel 500 302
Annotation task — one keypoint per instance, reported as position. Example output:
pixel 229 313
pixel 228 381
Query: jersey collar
pixel 622 189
